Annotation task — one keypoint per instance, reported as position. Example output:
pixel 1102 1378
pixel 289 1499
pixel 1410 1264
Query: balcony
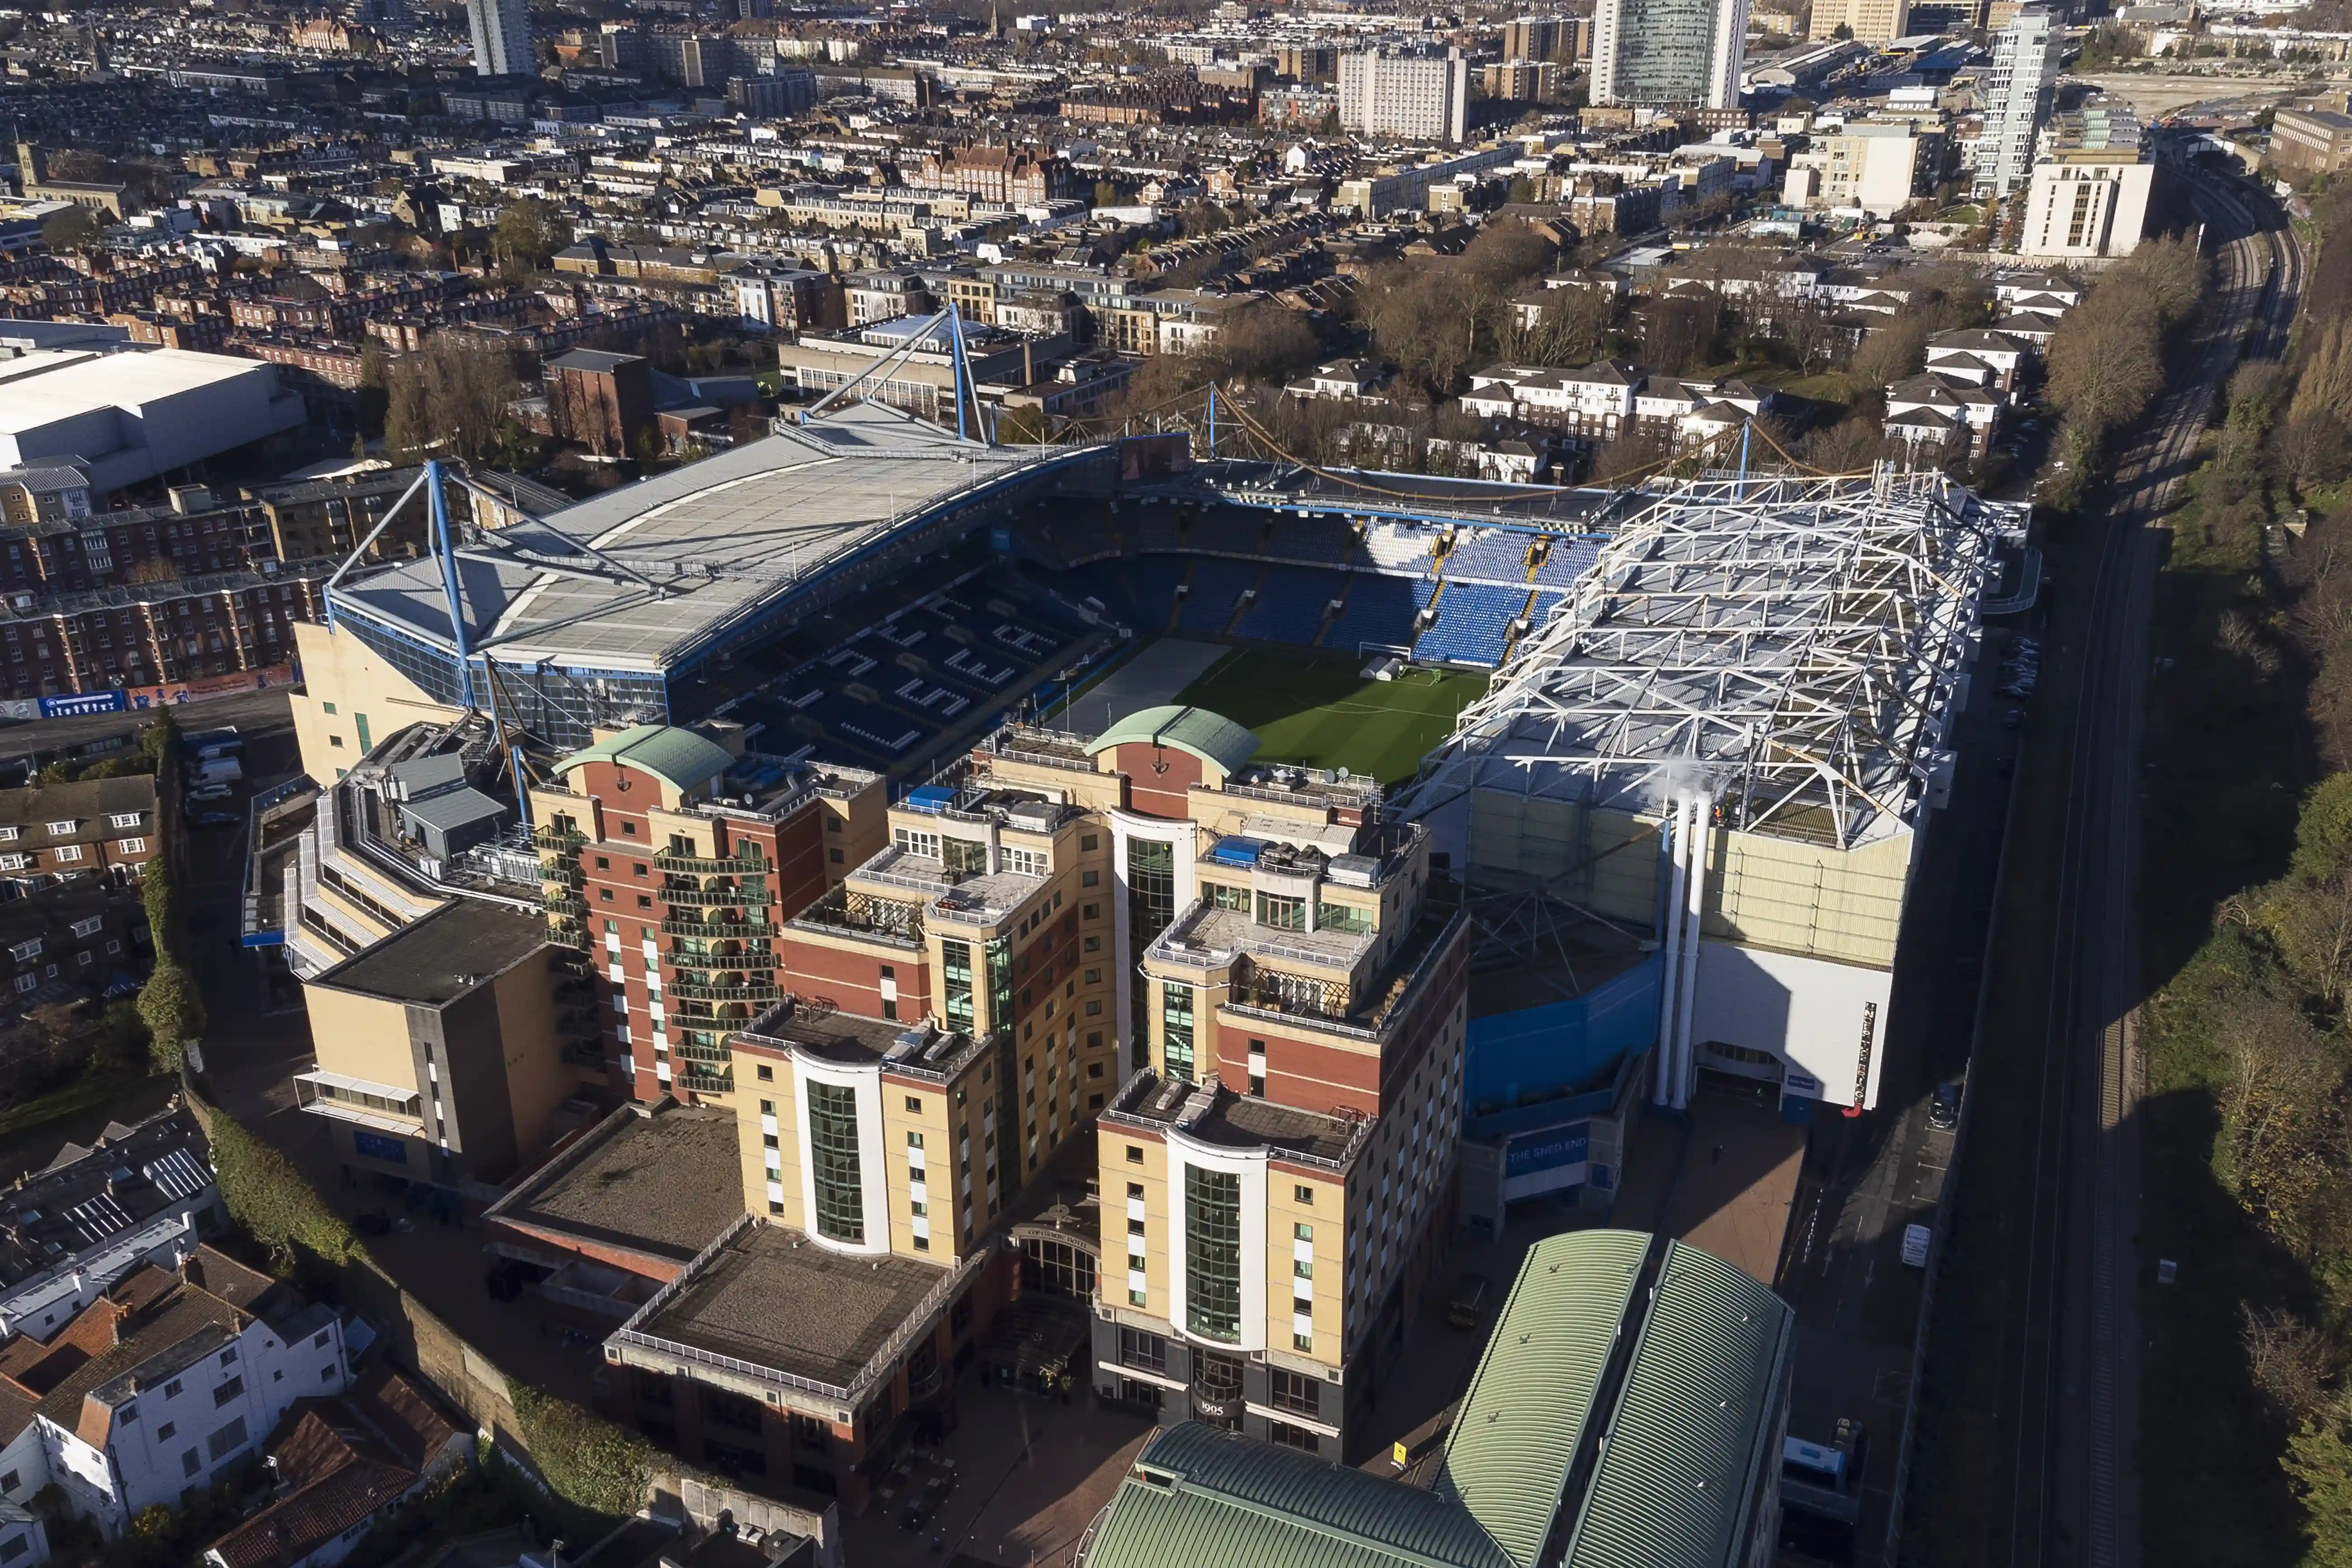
pixel 844 910
pixel 565 904
pixel 695 865
pixel 710 961
pixel 584 1054
pixel 682 896
pixel 718 931
pixel 711 1056
pixel 557 839
pixel 702 1082
pixel 701 993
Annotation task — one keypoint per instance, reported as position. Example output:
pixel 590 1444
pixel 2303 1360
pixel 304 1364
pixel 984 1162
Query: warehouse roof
pixel 637 578
pixel 1677 1357
pixel 1208 1498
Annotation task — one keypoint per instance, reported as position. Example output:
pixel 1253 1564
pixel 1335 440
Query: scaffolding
pixel 1787 647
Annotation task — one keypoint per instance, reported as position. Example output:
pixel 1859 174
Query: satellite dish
pixel 1343 775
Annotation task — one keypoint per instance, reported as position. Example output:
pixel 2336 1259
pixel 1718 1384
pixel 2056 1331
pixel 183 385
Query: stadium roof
pixel 1211 737
pixel 679 757
pixel 1787 644
pixel 639 577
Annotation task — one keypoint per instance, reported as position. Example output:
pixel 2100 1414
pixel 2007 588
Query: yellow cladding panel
pixel 752 1127
pixel 365 692
pixel 1814 899
pixel 1120 1175
pixel 661 827
pixel 538 1078
pixel 1324 1214
pixel 362 1037
pixel 921 1113
pixel 1605 860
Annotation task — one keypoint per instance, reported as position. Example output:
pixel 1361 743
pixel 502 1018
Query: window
pixel 163 1433
pixel 1176 1028
pixel 228 1391
pixel 59 829
pixel 1302 1232
pixel 834 1173
pixel 1226 897
pixel 765 1073
pixel 915 1105
pixel 1212 1253
pixel 1342 917
pixel 25 951
pixel 915 842
pixel 1134 1154
pixel 132 845
pixel 89 927
pixel 1281 914
pixel 1296 1393
pixel 955 984
pixel 1089 841
pixel 123 819
pixel 1293 1437
pixel 329 709
pixel 26 981
pixel 1090 878
pixel 8 1482
pixel 1027 862
pixel 68 852
pixel 226 1441
pixel 1144 1352
pixel 191 1462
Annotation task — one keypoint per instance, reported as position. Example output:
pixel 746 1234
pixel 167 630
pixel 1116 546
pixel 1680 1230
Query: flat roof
pixel 775 1298
pixel 49 385
pixel 435 960
pixel 665 1183
pixel 635 578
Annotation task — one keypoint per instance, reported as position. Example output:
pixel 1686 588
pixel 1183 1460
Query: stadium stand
pixel 1472 625
pixel 1488 555
pixel 1215 589
pixel 1289 604
pixel 1379 610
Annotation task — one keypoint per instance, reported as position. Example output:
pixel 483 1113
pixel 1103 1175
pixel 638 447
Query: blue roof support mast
pixel 440 503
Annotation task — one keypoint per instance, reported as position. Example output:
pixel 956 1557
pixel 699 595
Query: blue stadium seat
pixel 1380 609
pixel 1489 555
pixel 1472 625
pixel 1289 604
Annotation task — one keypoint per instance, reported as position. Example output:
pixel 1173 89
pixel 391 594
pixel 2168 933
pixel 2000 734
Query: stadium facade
pixel 1730 741
pixel 1717 729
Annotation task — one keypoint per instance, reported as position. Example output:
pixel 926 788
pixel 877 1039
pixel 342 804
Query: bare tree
pixel 2289 1359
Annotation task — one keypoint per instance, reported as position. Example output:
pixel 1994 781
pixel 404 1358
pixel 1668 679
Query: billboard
pixel 1547 1161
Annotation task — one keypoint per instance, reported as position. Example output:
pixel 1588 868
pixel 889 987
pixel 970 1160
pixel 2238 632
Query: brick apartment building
pixel 604 401
pixel 1006 176
pixel 98 830
pixel 912 1012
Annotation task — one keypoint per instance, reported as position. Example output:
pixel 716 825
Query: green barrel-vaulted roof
pixel 679 757
pixel 1199 1498
pixel 1516 1437
pixel 1211 737
pixel 1678 1478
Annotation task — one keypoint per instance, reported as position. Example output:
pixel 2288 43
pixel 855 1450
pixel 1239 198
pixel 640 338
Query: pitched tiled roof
pixel 337 1485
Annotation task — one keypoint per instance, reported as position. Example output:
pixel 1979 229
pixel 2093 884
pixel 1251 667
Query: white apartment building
pixel 161 1385
pixel 1874 168
pixel 502 30
pixel 141 1195
pixel 2084 204
pixel 1595 401
pixel 2017 93
pixel 1669 52
pixel 1416 98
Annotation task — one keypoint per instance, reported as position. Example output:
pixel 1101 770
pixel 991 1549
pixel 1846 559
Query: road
pixel 2066 1395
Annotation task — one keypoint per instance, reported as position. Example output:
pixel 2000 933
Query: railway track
pixel 2069 1374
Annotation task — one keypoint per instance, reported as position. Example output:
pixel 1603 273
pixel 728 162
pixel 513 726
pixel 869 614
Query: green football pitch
pixel 1312 708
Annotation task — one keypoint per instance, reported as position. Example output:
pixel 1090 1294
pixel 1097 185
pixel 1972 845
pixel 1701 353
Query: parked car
pixel 1469 1299
pixel 203 794
pixel 1916 1239
pixel 214 819
pixel 1944 1107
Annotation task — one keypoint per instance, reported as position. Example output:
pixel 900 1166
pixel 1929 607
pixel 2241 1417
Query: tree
pixel 2289 1360
pixel 448 399
pixel 527 236
pixel 74 229
pixel 1681 331
pixel 277 1207
pixel 173 1010
pixel 159 892
pixel 1891 351
pixel 1264 342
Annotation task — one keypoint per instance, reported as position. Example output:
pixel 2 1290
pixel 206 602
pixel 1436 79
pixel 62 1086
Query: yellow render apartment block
pixel 351 697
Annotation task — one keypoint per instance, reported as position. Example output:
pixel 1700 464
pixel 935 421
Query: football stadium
pixel 1683 738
